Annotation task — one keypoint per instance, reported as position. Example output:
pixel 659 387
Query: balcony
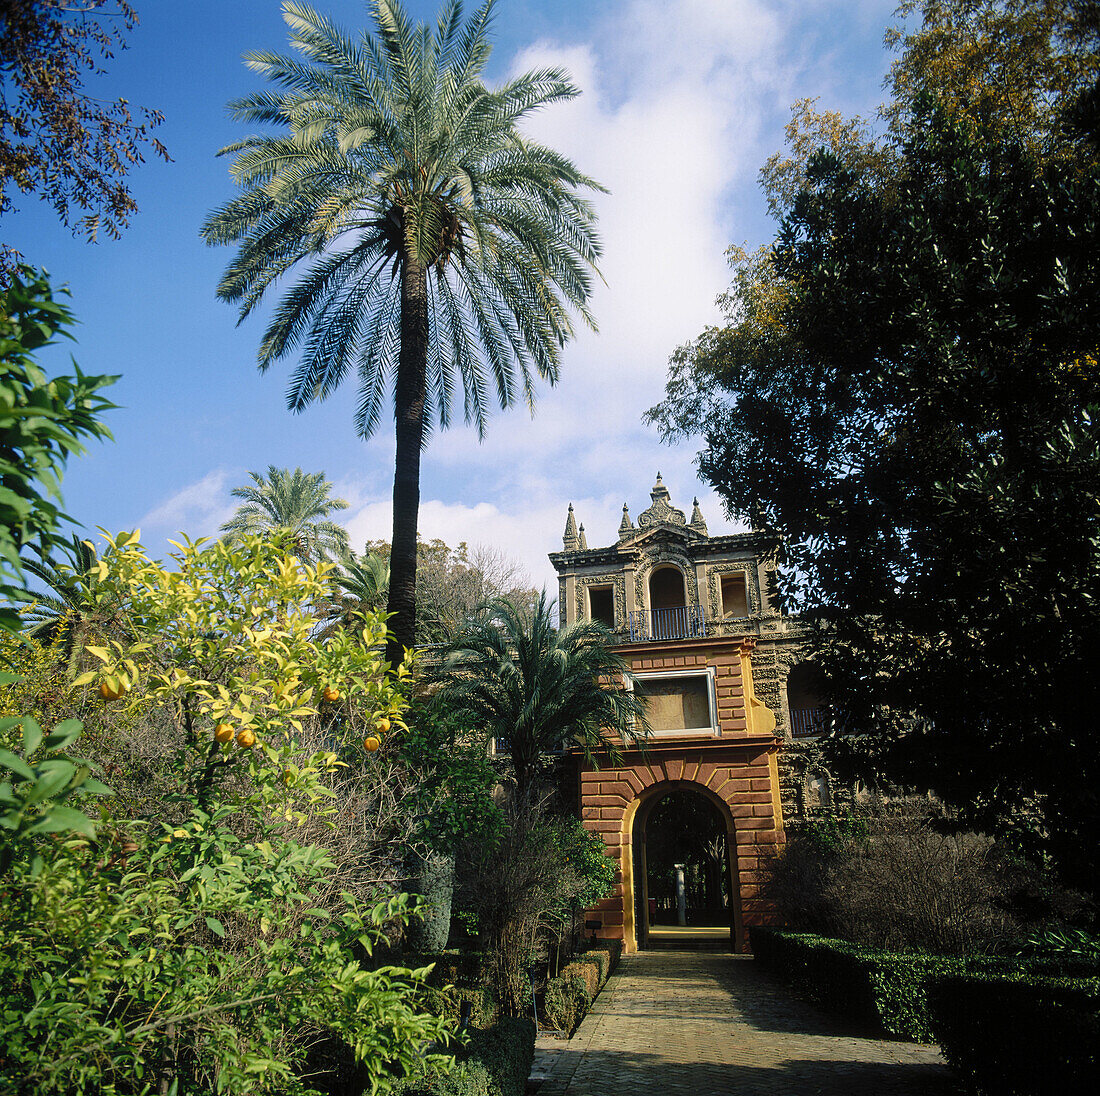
pixel 807 722
pixel 679 622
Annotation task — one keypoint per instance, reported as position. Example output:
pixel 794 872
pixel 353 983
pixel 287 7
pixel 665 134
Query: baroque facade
pixel 726 701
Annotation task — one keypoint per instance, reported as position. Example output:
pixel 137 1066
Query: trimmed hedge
pixel 1022 1036
pixel 448 1001
pixel 565 1002
pixel 568 997
pixel 496 1062
pixel 886 989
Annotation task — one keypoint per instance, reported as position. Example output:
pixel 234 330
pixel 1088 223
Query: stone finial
pixel 697 523
pixel 662 511
pixel 660 491
pixel 582 539
pixel 569 540
pixel 626 526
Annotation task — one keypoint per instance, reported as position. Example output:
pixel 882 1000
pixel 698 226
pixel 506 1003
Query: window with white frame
pixel 679 701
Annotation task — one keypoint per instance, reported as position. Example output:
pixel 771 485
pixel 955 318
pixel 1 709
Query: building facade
pixel 726 701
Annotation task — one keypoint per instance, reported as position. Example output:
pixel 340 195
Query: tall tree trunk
pixel 409 400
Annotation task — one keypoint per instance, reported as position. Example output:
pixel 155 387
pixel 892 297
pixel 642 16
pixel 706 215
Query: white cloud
pixel 199 509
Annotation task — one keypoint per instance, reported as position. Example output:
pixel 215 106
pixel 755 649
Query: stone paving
pixel 712 1024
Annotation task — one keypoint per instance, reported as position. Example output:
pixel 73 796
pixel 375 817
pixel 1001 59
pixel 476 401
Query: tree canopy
pixel 297 504
pixel 905 397
pixel 416 236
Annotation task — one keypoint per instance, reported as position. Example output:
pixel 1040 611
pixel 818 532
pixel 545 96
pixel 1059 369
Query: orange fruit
pixel 383 725
pixel 331 694
pixel 224 732
pixel 246 739
pixel 371 744
pixel 112 689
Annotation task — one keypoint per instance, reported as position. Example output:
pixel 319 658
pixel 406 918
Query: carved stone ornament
pixel 661 510
pixel 612 579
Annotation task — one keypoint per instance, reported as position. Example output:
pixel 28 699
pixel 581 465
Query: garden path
pixel 680 1023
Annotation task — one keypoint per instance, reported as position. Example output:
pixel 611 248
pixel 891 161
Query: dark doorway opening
pixel 685 884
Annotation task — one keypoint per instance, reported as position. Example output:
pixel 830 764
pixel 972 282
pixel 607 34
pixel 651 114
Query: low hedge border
pixel 886 989
pixel 495 1062
pixel 1022 1036
pixel 568 997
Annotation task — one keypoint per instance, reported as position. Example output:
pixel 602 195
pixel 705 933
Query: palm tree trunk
pixel 409 400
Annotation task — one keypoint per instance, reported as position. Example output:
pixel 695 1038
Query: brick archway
pixel 635 851
pixel 741 780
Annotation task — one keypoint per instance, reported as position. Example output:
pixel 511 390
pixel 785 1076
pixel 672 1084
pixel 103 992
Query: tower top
pixel 570 541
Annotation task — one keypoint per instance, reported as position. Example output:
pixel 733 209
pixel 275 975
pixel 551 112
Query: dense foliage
pixel 416 235
pixel 43 422
pixel 986 1027
pixel 905 399
pixel 887 989
pixel 219 930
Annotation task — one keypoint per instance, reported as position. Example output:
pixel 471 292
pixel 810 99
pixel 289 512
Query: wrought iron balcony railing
pixel 806 722
pixel 681 622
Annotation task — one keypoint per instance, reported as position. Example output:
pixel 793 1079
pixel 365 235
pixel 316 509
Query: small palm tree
pixel 360 586
pixel 420 238
pixel 295 504
pixel 540 690
pixel 73 610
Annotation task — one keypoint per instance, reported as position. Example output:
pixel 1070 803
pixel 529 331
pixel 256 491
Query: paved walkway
pixel 711 1024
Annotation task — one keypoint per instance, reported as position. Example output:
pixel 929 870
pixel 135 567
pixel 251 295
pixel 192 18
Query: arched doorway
pixel 685 889
pixel 667 602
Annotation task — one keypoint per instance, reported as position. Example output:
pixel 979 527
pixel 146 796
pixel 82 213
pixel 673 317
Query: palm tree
pixel 360 585
pixel 430 245
pixel 295 504
pixel 540 690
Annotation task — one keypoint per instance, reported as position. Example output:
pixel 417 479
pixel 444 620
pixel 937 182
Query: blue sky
pixel 683 100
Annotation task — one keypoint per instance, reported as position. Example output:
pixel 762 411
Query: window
pixel 679 702
pixel 735 599
pixel 601 605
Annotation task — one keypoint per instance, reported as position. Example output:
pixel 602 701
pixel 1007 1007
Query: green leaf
pixel 62 818
pixel 32 735
pixel 64 734
pixel 215 926
pixel 16 764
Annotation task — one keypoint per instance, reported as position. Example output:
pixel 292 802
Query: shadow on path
pixel 711 1024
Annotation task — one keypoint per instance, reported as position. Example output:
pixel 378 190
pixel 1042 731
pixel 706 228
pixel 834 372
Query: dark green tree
pixel 538 690
pixel 907 402
pixel 417 236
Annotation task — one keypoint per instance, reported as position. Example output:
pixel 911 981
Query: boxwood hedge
pixel 888 990
pixel 1019 1036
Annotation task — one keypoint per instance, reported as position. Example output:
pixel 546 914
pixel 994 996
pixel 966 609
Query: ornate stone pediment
pixel 662 512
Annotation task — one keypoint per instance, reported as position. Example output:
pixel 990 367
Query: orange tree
pixel 201 947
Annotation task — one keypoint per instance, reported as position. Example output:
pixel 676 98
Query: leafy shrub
pixel 907 878
pixel 888 990
pixel 523 884
pixel 600 957
pixel 1022 1036
pixel 207 944
pixel 448 1002
pixel 588 973
pixel 495 1062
